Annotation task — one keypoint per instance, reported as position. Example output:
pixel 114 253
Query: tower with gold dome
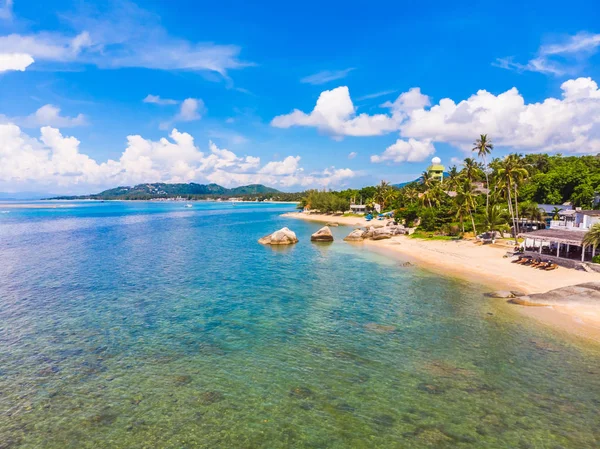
pixel 436 169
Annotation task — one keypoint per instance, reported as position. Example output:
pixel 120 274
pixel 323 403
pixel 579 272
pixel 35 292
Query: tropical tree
pixel 592 237
pixel 484 146
pixel 465 198
pixel 495 217
pixel 453 179
pixel 382 193
pixel 510 174
pixel 532 212
pixel 471 169
pixel 555 213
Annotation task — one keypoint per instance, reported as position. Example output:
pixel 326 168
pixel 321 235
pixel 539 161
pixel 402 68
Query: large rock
pixel 382 233
pixel 322 235
pixel 587 294
pixel 358 235
pixel 282 237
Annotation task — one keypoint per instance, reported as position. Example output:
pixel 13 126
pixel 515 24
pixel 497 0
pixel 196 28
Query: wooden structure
pixel 564 241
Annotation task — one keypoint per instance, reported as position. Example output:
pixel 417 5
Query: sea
pixel 155 325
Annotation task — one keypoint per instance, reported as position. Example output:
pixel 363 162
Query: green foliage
pixel 407 215
pixel 326 202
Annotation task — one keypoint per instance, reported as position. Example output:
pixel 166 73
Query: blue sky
pixel 389 77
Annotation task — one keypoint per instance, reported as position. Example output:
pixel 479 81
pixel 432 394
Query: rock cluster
pixel 282 237
pixel 322 235
pixel 358 235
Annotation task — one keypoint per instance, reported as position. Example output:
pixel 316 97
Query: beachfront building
pixel 564 238
pixel 358 208
pixel 436 169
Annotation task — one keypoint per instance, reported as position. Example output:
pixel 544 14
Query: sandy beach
pixel 485 265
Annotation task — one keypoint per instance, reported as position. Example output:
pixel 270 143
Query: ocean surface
pixel 151 325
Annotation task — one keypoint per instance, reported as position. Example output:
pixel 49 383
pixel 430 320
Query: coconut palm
pixel 451 181
pixel 484 146
pixel 592 237
pixel 471 169
pixel 532 212
pixel 382 193
pixel 555 214
pixel 495 216
pixel 510 174
pixel 465 198
pixel 411 194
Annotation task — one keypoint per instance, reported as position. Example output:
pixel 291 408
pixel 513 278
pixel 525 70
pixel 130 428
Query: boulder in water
pixel 358 235
pixel 322 235
pixel 332 224
pixel 500 294
pixel 282 237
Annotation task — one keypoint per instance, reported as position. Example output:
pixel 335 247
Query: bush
pixel 596 259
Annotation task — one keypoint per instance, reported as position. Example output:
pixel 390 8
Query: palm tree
pixel 462 211
pixel 510 174
pixel 592 237
pixel 465 198
pixel 532 212
pixel 484 147
pixel 381 193
pixel 494 217
pixel 453 178
pixel 411 194
pixel 471 169
pixel 555 213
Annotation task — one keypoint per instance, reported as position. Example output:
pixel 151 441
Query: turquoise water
pixel 149 325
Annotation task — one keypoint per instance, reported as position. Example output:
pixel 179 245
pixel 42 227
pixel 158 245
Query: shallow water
pixel 148 325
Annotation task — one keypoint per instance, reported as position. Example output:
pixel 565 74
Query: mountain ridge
pixel 167 190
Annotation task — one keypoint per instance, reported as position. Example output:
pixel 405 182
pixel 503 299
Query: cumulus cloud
pixel 15 61
pixel 191 109
pixel 568 124
pixel 156 99
pixel 47 115
pixel 55 161
pixel 352 155
pixel 326 76
pixel 410 150
pixel 558 58
pixel 335 114
pixel 121 34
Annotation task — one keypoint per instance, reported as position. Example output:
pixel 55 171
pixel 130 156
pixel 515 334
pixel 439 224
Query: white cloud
pixel 14 61
pixel 288 166
pixel 376 95
pixel 55 162
pixel 6 9
pixel 326 76
pixel 335 114
pixel 559 58
pixel 352 155
pixel 156 99
pixel 120 34
pixel 191 109
pixel 569 124
pixel 406 151
pixel 47 115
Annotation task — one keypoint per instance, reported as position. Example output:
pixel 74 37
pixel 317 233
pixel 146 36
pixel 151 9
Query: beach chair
pixel 552 266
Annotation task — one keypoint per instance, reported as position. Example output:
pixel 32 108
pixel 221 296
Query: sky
pixel 291 95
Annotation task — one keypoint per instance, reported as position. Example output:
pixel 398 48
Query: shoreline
pixel 484 265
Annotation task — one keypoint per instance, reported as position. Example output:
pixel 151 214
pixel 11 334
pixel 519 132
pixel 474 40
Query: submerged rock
pixel 301 393
pixel 322 235
pixel 500 294
pixel 282 237
pixel 332 224
pixel 380 328
pixel 358 235
pixel 210 397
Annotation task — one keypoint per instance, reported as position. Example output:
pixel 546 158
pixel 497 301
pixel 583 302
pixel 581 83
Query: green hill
pixel 164 190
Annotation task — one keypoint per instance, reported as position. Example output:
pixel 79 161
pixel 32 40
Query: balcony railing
pixel 566 225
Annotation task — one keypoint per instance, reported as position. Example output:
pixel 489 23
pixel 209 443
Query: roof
pixel 556 235
pixel 593 213
pixel 549 208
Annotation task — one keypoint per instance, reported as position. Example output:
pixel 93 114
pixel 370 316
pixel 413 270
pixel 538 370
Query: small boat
pixel 188 205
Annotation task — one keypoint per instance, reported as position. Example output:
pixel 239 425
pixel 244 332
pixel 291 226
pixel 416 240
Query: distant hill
pixel 164 190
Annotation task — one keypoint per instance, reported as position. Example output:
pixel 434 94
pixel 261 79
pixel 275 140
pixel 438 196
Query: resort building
pixel 436 169
pixel 563 240
pixel 358 208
